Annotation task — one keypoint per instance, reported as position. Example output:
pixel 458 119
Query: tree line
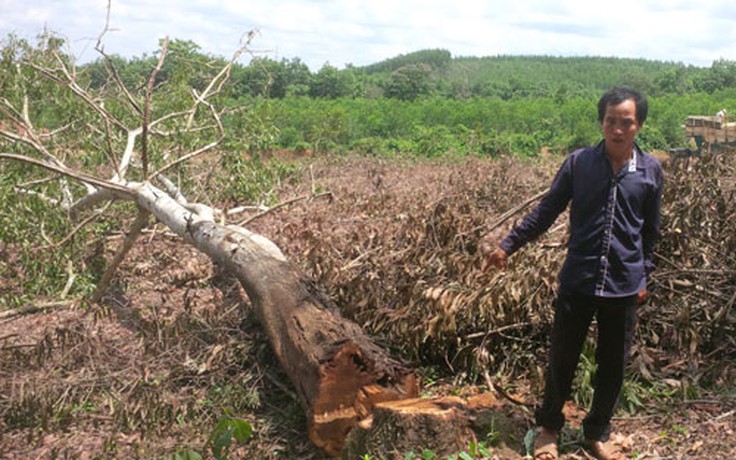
pixel 426 103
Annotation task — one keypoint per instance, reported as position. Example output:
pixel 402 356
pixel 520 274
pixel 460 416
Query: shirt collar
pixel 636 157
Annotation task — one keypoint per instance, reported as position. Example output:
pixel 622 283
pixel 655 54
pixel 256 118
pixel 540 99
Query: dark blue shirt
pixel 614 221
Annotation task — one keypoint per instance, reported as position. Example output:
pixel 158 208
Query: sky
pixel 354 32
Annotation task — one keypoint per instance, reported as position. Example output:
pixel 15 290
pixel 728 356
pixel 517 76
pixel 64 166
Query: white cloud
pixel 362 32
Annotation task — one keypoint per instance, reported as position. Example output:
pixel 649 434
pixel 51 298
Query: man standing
pixel 615 193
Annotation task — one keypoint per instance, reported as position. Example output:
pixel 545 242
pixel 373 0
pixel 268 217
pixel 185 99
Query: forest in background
pixel 428 103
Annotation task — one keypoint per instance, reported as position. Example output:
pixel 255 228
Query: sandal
pixel 545 445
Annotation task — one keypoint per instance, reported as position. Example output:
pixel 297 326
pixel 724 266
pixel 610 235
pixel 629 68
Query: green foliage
pixel 409 82
pixel 475 451
pixel 433 58
pixel 220 441
pixel 583 391
pixel 32 263
pixel 251 180
pixel 227 429
pixel 251 127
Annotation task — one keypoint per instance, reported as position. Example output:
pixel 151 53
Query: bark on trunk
pixel 338 372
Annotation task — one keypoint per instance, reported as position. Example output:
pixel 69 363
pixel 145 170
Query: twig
pixel 726 308
pixel 31 309
pixel 70 281
pixel 503 392
pixel 78 227
pixel 725 415
pixel 356 262
pixel 497 330
pixel 280 205
pixel 111 66
pixel 507 215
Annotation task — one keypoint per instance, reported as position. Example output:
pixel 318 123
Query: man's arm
pixel 541 217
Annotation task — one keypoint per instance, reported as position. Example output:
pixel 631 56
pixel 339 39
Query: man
pixel 615 192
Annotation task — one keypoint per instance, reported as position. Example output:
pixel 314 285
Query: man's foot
pixel 545 444
pixel 608 450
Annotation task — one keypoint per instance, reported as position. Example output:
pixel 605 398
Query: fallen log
pixel 338 372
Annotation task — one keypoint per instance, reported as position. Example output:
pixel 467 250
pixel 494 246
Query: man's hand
pixel 496 259
pixel 642 296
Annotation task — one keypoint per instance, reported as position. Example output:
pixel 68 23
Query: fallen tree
pixel 339 373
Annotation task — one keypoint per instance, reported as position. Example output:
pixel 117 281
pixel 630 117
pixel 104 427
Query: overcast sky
pixel 356 32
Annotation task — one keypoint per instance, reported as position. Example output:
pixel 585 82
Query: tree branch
pixel 138 225
pixel 147 107
pixel 118 190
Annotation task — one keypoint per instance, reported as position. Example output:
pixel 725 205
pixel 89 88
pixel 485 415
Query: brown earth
pixel 175 346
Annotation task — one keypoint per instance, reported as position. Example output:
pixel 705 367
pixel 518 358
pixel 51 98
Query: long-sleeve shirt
pixel 614 221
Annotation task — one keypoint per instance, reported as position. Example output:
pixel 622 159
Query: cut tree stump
pixel 445 425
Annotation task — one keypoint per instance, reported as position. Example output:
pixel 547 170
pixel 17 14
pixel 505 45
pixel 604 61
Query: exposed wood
pixel 445 425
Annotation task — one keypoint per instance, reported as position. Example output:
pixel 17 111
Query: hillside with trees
pixel 468 105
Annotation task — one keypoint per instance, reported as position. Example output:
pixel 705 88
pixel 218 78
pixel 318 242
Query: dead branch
pixel 281 205
pixel 147 106
pixel 135 230
pixel 118 190
pixel 7 315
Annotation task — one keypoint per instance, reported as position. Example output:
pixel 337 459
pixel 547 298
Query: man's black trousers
pixel 616 321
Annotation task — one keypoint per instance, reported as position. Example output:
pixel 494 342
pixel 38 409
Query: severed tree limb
pixel 118 191
pixel 139 224
pixel 340 375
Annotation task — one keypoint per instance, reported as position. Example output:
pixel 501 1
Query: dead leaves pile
pixel 406 265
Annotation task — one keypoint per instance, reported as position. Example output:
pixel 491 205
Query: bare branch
pixel 187 157
pixel 147 106
pixel 72 85
pixel 99 47
pixel 25 133
pixel 122 168
pixel 222 77
pixel 119 191
pixel 30 137
pixel 138 225
pixel 31 309
pixel 78 227
pixel 281 205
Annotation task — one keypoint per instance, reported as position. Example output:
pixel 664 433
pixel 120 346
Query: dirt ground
pixel 175 345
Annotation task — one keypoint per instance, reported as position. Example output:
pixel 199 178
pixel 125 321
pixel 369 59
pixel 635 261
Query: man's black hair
pixel 619 94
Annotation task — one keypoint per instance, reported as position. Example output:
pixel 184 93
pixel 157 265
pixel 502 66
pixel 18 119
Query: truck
pixel 711 133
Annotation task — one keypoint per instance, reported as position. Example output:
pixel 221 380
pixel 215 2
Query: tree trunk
pixel 338 372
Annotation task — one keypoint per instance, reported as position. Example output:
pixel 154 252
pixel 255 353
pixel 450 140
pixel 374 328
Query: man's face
pixel 620 127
